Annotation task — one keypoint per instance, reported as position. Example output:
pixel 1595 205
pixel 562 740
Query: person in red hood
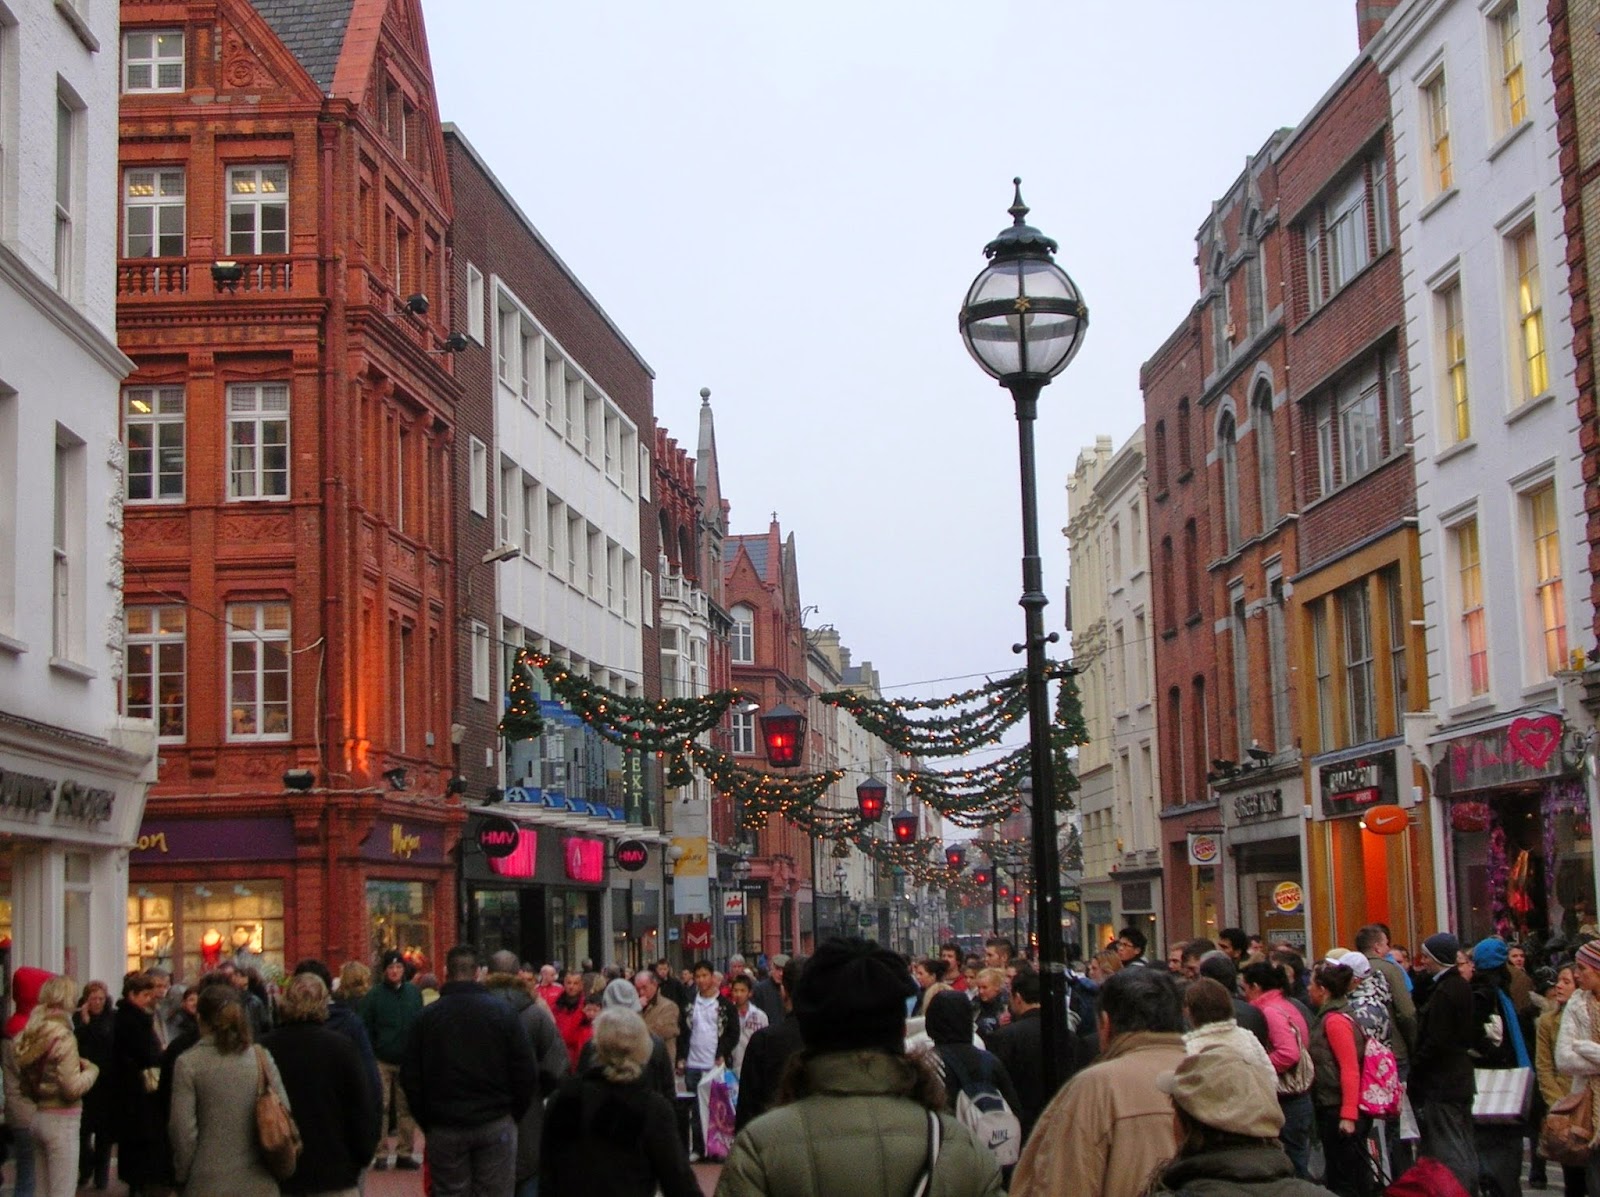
pixel 25 986
pixel 574 1015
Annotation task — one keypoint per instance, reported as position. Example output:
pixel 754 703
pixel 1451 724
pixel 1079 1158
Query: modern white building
pixel 1498 465
pixel 73 772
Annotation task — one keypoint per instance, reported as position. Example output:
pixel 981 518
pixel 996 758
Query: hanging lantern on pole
pixel 784 730
pixel 956 856
pixel 870 796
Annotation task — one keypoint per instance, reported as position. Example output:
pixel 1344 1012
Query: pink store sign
pixel 521 860
pixel 586 860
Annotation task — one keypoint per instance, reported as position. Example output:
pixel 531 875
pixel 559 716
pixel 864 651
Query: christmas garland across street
pixel 955 725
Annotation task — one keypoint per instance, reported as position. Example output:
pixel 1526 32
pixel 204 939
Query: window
pixel 1548 593
pixel 480 661
pixel 1228 453
pixel 478 484
pixel 1169 602
pixel 629 566
pixel 1399 680
pixel 1453 350
pixel 532 355
pixel 258 210
pixel 1349 249
pixel 153 214
pixel 1278 663
pixel 1266 453
pixel 1255 278
pixel 1185 461
pixel 1241 672
pixel 554 525
pixel 1114 536
pixel 742 642
pixel 742 725
pixel 1361 698
pixel 67 550
pixel 1530 314
pixel 258 671
pixel 577 546
pixel 258 440
pixel 1160 455
pixel 1221 314
pixel 1141 660
pixel 1191 566
pixel 1174 739
pixel 1360 428
pixel 152 60
pixel 154 667
pixel 1508 38
pixel 1322 660
pixel 532 511
pixel 509 505
pixel 1118 670
pixel 153 426
pixel 1436 127
pixel 1474 638
pixel 1349 423
pixel 67 170
pixel 475 303
pixel 1136 535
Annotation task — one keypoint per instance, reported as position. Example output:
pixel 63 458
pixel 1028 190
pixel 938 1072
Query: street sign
pixel 733 903
pixel 697 935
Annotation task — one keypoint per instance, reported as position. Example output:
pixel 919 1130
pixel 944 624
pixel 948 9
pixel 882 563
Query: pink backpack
pixel 1380 1081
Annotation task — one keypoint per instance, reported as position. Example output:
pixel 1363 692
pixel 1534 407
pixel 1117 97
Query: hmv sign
pixel 498 837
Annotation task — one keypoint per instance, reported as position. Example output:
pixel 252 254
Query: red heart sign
pixel 1533 740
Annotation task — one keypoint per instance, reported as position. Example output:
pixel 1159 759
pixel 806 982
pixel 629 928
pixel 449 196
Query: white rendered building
pixel 73 772
pixel 1498 460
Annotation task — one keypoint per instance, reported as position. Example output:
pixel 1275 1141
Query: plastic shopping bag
pixel 719 1099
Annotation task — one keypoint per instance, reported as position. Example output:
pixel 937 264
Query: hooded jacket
pixel 1261 1170
pixel 949 1025
pixel 1441 1069
pixel 25 986
pixel 52 1072
pixel 854 1133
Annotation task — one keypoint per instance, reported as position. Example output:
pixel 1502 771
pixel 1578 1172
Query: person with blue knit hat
pixel 1501 1045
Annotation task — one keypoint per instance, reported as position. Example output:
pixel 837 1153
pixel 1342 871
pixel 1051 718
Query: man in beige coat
pixel 660 1013
pixel 1109 1131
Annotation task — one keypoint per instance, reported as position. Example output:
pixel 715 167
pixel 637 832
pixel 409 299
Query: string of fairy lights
pixel 917 728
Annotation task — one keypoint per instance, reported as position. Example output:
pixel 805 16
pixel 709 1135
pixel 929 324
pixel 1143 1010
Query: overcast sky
pixel 786 203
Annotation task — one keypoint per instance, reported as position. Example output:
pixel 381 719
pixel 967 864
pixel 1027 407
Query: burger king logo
pixel 1204 849
pixel 1287 897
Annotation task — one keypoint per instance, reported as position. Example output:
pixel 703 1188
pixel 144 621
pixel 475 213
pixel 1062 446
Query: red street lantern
pixel 1005 891
pixel 784 730
pixel 1016 899
pixel 981 876
pixel 955 856
pixel 870 795
pixel 905 828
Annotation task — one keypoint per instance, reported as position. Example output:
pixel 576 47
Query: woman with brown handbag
pixel 215 1148
pixel 1553 1084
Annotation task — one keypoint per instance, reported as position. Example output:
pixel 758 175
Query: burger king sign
pixel 1204 847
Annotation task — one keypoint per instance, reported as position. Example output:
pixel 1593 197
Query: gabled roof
pixel 313 30
pixel 754 546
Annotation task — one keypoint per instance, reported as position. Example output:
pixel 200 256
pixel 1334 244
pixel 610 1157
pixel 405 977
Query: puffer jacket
pixel 48 1061
pixel 1257 1170
pixel 854 1133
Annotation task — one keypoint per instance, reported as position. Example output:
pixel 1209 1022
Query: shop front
pixel 1262 827
pixel 1368 859
pixel 1194 858
pixel 67 814
pixel 544 899
pixel 1517 826
pixel 335 877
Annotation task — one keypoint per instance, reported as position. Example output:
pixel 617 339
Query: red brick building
pixel 290 430
pixel 1255 767
pixel 1356 606
pixel 1173 380
pixel 768 653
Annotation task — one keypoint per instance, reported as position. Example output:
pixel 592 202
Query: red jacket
pixel 575 1027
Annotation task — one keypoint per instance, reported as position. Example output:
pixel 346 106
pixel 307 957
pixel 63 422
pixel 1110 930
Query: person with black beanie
pixel 861 1117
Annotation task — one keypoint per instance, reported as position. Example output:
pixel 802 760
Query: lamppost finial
pixel 1018 209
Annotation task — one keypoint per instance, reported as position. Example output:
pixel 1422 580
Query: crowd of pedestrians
pixel 1236 1069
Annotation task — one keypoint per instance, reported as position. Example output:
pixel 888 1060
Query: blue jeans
pixel 474 1161
pixel 22 1156
pixel 1296 1133
pixel 697 1134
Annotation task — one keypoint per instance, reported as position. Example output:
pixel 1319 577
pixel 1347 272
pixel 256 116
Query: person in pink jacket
pixel 1264 988
pixel 1336 1049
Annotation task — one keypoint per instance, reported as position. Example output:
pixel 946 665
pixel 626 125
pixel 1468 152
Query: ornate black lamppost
pixel 1023 320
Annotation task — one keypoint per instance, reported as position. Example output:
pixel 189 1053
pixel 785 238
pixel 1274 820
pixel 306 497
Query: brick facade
pixel 353 540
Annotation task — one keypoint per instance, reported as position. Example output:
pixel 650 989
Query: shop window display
pixel 1523 863
pixel 188 929
pixel 401 914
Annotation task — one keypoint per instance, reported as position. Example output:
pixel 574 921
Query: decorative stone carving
pixel 251 527
pixel 240 68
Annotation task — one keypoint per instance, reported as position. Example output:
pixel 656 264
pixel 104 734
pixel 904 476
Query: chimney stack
pixel 1370 16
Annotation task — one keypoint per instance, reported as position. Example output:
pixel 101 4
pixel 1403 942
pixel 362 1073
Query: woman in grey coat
pixel 213 1122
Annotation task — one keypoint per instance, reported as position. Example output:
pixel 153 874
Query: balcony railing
pixel 264 275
